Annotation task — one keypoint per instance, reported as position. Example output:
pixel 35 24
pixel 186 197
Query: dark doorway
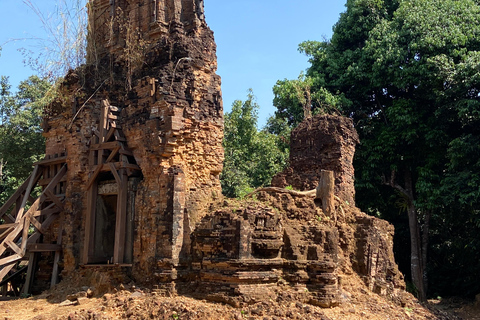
pixel 104 234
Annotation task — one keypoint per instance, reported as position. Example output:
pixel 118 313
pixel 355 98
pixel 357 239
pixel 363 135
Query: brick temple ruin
pixel 130 180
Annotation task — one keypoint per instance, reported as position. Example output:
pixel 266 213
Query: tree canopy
pixel 252 156
pixel 20 133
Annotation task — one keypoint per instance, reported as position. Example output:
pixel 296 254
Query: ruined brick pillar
pixel 323 142
pixel 154 61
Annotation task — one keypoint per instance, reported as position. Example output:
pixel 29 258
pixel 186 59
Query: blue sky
pixel 256 40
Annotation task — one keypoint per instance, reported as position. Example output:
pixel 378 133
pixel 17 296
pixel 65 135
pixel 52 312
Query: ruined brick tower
pixel 141 127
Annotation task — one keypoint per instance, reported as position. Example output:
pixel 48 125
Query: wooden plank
pixel 103 120
pixel 8 225
pixel 26 227
pixel 10 277
pixel 119 135
pixel 37 225
pixel 14 197
pixel 115 174
pixel 6 270
pixel 94 176
pixel 51 161
pixel 8 218
pixel 51 208
pixel 56 258
pixel 126 152
pixel 14 247
pixel 28 280
pixel 54 199
pixel 105 145
pixel 120 222
pixel 34 237
pixel 6 232
pixel 96 132
pixel 9 259
pixel 33 179
pixel 130 166
pixel 12 235
pixel 49 221
pixel 89 223
pixel 113 154
pixel 43 247
pixel 46 181
pixel 110 134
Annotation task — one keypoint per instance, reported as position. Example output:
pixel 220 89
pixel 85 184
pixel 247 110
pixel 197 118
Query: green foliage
pixel 20 131
pixel 252 156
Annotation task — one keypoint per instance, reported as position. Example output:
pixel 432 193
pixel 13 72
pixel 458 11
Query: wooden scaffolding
pixel 109 154
pixel 26 218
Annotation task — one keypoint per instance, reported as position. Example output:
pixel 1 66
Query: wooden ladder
pixel 22 229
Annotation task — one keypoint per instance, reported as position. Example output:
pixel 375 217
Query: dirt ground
pixel 130 302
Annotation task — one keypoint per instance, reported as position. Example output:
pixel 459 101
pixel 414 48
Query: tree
pixel 407 72
pixel 65 44
pixel 20 131
pixel 252 157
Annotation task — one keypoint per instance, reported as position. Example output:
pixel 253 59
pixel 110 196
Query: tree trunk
pixel 425 234
pixel 416 256
pixel 418 244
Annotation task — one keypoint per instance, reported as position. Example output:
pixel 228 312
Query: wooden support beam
pixel 52 208
pixel 120 221
pixel 105 145
pixel 89 223
pixel 94 175
pixel 56 258
pixel 34 237
pixel 52 197
pixel 10 259
pixel 113 154
pixel 11 236
pixel 48 221
pixel 14 197
pixel 46 181
pixel 5 281
pixel 51 161
pixel 33 179
pixel 126 152
pixel 37 225
pixel 8 218
pixel 28 280
pixel 26 227
pixel 6 232
pixel 8 225
pixel 110 134
pixel 43 247
pixel 115 173
pixel 14 247
pixel 5 270
pixel 104 120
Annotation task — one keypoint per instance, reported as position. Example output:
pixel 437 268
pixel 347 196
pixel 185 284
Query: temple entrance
pixel 110 194
pixel 104 235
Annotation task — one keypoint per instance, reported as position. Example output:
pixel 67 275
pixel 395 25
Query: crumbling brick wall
pixel 323 142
